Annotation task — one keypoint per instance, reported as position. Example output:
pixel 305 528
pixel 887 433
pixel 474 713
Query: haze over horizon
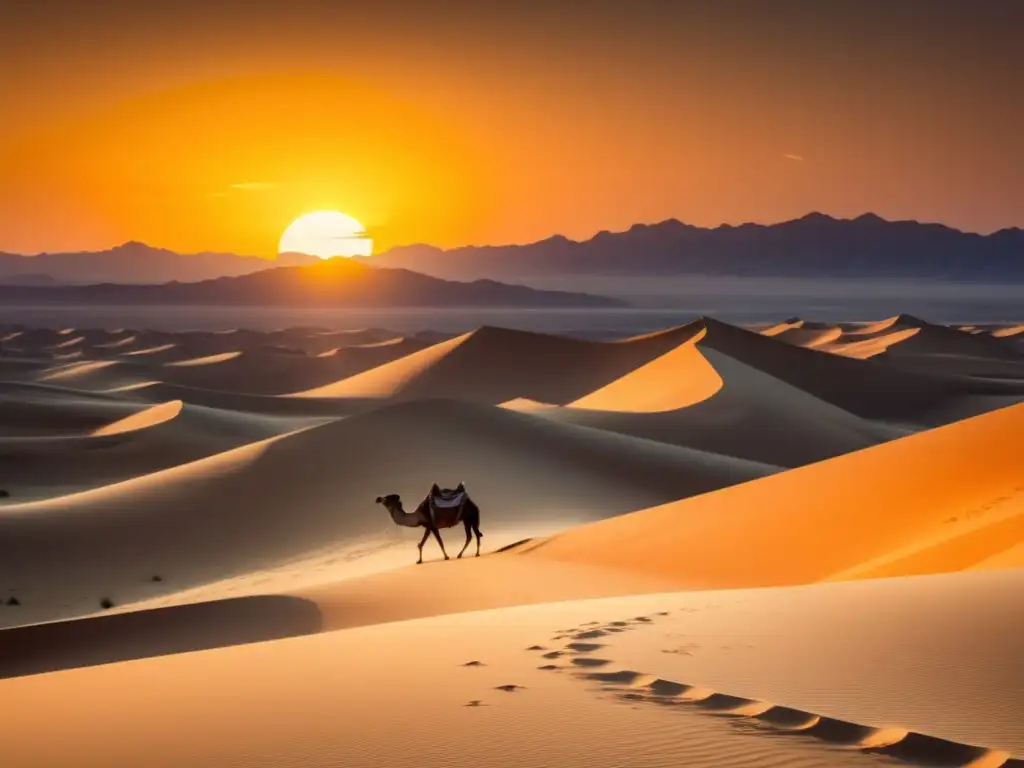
pixel 211 128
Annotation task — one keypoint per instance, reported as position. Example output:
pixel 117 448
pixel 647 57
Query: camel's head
pixel 391 501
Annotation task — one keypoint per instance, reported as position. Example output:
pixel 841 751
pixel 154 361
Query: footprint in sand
pixel 511 688
pixel 584 647
pixel 549 667
pixel 474 703
pixel 536 648
pixel 474 663
pixel 589 634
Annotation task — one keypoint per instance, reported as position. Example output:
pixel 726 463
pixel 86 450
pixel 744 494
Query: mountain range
pixel 333 283
pixel 815 245
pixel 135 262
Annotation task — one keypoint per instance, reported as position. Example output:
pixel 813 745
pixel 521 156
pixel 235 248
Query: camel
pixel 442 508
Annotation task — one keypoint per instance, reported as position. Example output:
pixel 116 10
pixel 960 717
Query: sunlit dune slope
pixel 255 505
pixel 1008 332
pixel 822 671
pixel 863 346
pixel 494 365
pixel 934 501
pixel 704 399
pixel 808 337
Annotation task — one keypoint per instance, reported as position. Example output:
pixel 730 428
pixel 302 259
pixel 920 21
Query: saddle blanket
pixel 447 510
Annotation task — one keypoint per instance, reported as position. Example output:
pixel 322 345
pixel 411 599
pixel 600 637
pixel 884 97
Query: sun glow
pixel 326 234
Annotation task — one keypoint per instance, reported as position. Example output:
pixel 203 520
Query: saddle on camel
pixel 442 508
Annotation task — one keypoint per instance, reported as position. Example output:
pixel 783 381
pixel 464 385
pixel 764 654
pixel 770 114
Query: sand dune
pixel 808 337
pixel 212 518
pixel 28 408
pixel 866 388
pixel 863 346
pixel 704 399
pixel 942 340
pixel 263 370
pixel 56 440
pixel 1008 332
pixel 193 362
pixel 494 365
pixel 201 505
pixel 22 446
pixel 154 350
pixel 924 500
pixel 76 371
pixel 802 677
pixel 910 342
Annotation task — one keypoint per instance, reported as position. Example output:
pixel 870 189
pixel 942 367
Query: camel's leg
pixel 469 535
pixel 420 545
pixel 437 535
pixel 476 530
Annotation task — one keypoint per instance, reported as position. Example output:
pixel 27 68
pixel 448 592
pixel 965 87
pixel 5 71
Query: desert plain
pixel 799 545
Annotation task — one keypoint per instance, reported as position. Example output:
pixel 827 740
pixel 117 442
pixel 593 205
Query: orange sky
pixel 210 126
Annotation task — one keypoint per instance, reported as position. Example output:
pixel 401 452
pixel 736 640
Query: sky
pixel 210 126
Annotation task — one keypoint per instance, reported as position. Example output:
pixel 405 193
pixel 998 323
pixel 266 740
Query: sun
pixel 326 234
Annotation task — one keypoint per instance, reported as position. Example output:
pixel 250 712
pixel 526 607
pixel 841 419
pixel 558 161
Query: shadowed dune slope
pixel 933 339
pixel 268 373
pixel 866 388
pixel 120 431
pixel 494 365
pixel 264 405
pixel 262 371
pixel 42 409
pixel 256 505
pixel 714 403
pixel 911 342
pixel 56 440
pixel 919 504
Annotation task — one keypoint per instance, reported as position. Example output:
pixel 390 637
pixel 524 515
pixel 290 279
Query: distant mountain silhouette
pixel 334 283
pixel 139 263
pixel 813 246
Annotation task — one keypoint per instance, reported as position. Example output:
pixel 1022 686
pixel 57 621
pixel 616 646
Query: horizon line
pixel 553 236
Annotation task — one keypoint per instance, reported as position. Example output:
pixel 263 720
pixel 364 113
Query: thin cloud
pixel 255 186
pixel 798 158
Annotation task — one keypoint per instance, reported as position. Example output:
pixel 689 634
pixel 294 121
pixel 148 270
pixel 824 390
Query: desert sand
pixel 708 546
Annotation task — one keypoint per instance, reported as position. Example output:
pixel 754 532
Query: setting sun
pixel 326 234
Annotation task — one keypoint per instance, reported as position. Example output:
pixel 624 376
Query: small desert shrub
pixel 106 602
pixel 158 577
pixel 13 601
